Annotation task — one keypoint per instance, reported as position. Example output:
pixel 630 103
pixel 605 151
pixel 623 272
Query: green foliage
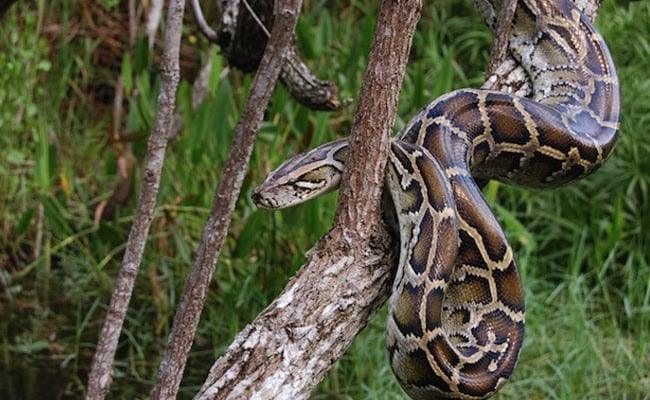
pixel 581 249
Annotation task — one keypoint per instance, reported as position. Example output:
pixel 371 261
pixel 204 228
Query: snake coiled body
pixel 456 315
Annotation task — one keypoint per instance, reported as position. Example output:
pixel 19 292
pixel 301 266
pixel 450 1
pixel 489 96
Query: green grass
pixel 581 249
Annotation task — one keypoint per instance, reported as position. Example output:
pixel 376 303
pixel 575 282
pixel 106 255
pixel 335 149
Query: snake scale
pixel 456 315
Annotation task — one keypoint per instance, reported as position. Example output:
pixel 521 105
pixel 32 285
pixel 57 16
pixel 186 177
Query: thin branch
pixel 100 377
pixel 289 348
pixel 305 88
pixel 201 22
pixel 499 52
pixel 197 284
pixel 239 40
pixel 375 116
pixel 257 18
pixel 153 20
pixel 133 24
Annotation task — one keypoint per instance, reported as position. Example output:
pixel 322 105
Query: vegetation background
pixel 582 250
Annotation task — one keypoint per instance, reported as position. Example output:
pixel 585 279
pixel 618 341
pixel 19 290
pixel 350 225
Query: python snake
pixel 456 315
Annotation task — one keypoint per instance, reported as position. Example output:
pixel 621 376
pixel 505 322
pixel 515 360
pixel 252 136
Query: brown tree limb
pixel 499 52
pixel 291 345
pixel 100 377
pixel 196 286
pixel 288 349
pixel 203 25
pixel 242 37
pixel 305 87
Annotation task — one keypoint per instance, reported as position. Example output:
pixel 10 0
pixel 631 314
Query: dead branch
pixel 100 377
pixel 196 286
pixel 304 87
pixel 288 349
pixel 203 25
pixel 501 27
pixel 243 35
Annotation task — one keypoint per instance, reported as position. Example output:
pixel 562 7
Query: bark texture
pixel 100 378
pixel 197 284
pixel 243 35
pixel 288 349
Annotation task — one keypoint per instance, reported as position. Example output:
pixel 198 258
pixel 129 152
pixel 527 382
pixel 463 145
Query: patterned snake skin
pixel 456 315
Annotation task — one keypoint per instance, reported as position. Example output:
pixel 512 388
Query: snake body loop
pixel 456 315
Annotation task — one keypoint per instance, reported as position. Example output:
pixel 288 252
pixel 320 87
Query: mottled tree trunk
pixel 288 349
pixel 291 345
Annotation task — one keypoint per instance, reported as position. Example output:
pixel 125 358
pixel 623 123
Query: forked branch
pixel 243 35
pixel 197 283
pixel 100 377
pixel 290 346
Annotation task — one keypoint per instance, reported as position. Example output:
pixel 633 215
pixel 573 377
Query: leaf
pixel 42 165
pixel 250 234
pixel 54 215
pixel 215 73
pixel 25 221
pixel 127 73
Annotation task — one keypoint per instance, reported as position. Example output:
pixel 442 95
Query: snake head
pixel 303 177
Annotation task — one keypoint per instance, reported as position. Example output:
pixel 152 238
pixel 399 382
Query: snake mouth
pixel 263 201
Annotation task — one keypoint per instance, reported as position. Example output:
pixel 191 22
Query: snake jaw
pixel 276 193
pixel 264 200
pixel 280 191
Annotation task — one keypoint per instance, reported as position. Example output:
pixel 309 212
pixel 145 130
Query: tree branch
pixel 100 378
pixel 288 349
pixel 242 37
pixel 207 31
pixel 197 283
pixel 290 346
pixel 499 53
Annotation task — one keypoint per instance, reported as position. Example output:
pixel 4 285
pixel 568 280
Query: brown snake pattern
pixel 456 315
